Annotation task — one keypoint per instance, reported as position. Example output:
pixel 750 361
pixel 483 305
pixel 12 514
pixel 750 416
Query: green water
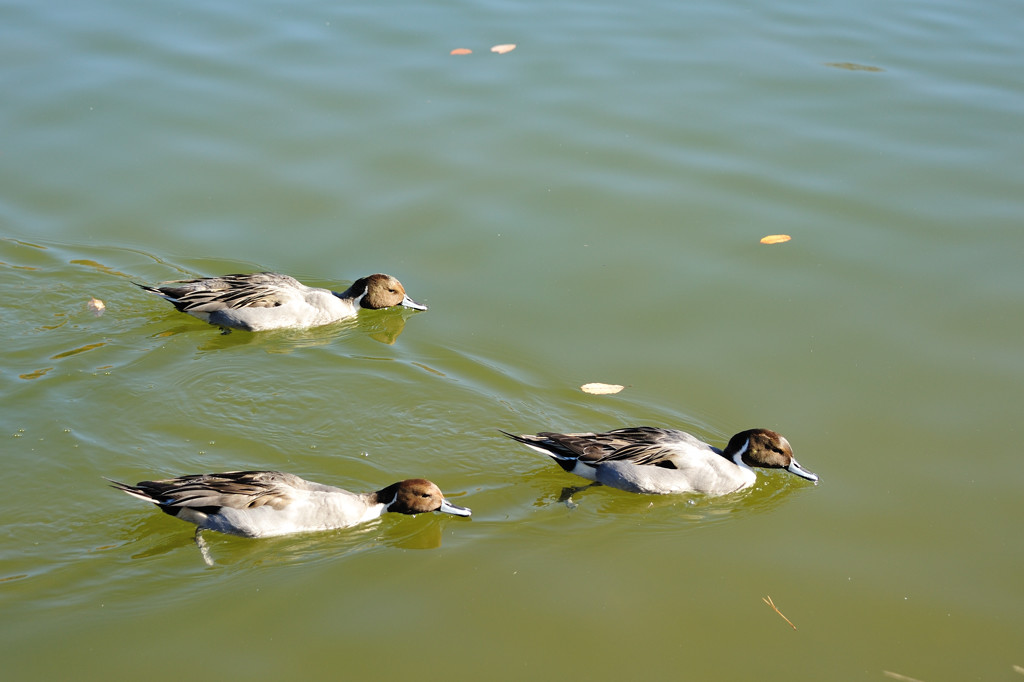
pixel 585 208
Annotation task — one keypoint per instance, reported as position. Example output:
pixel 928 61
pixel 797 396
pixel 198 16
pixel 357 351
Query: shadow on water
pixel 150 537
pixel 384 326
pixel 658 513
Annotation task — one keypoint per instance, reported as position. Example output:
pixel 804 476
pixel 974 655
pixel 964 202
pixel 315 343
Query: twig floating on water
pixel 768 600
pixel 897 676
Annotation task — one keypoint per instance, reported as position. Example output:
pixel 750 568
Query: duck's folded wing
pixel 628 443
pixel 209 294
pixel 247 296
pixel 235 490
pixel 647 455
pixel 638 435
pixel 585 446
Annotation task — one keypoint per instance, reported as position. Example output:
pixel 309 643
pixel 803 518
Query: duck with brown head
pixel 267 300
pixel 267 503
pixel 646 459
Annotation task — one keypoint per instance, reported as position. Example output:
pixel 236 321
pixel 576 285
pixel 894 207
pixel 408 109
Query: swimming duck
pixel 259 504
pixel 646 459
pixel 268 300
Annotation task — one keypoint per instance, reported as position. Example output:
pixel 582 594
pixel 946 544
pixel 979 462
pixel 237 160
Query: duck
pixel 259 504
pixel 268 300
pixel 653 460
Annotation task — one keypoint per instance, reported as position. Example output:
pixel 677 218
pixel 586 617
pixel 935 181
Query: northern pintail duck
pixel 646 459
pixel 266 503
pixel 268 300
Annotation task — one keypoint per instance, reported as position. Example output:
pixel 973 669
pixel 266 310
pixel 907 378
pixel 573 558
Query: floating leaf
pixel 775 239
pixel 461 50
pixel 502 49
pixel 601 389
pixel 96 306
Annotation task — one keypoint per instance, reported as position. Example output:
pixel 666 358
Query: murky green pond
pixel 587 207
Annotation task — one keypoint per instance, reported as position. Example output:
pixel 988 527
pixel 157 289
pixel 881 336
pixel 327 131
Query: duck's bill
pixel 795 468
pixel 449 508
pixel 409 303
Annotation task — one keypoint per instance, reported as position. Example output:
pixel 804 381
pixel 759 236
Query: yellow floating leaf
pixel 601 389
pixel 461 50
pixel 502 49
pixel 36 374
pixel 775 239
pixel 96 306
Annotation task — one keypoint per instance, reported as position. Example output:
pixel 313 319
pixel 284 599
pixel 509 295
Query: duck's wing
pixel 639 444
pixel 595 447
pixel 664 456
pixel 257 290
pixel 233 489
pixel 652 446
pixel 645 435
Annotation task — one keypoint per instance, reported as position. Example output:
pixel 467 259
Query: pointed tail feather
pixel 132 490
pixel 532 443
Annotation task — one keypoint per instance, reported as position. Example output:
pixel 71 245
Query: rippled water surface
pixel 587 207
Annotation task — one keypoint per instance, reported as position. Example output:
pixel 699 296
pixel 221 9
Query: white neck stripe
pixel 738 457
